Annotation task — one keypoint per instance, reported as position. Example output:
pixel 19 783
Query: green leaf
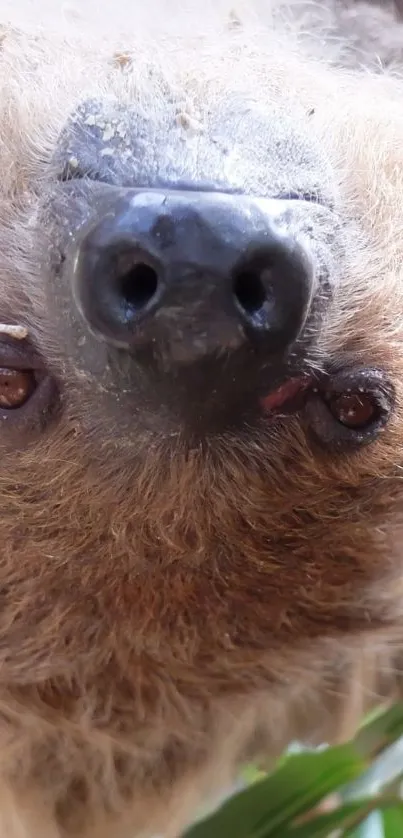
pixel 393 822
pixel 345 817
pixel 250 774
pixel 296 787
pixel 379 732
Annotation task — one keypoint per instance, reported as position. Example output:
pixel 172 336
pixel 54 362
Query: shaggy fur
pixel 168 612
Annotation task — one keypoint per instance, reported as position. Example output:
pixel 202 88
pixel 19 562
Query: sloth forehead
pixel 233 144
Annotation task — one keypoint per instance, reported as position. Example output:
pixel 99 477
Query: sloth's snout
pixel 192 274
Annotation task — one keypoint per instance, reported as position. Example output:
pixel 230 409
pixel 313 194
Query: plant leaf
pixel 393 821
pixel 379 732
pixel 296 787
pixel 346 817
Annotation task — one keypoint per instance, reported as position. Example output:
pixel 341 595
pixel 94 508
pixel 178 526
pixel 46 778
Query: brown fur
pixel 167 613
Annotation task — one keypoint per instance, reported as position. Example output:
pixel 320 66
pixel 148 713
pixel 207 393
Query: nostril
pixel 249 290
pixel 116 283
pixel 138 286
pixel 272 289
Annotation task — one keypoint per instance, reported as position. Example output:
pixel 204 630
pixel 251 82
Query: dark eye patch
pixel 28 392
pixel 349 409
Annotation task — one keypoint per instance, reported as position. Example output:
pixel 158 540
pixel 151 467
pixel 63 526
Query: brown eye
pixel 349 408
pixel 16 386
pixel 354 410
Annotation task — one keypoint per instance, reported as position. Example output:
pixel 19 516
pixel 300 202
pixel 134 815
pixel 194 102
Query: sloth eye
pixel 29 393
pixel 353 410
pixel 350 409
pixel 16 387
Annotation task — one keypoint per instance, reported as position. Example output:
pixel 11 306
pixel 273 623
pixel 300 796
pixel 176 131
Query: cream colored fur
pixel 124 704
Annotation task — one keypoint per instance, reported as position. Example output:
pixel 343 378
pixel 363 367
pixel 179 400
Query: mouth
pixel 288 397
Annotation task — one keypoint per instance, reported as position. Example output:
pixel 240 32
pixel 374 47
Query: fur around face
pixel 167 613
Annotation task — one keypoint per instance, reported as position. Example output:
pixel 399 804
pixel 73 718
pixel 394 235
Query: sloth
pixel 201 415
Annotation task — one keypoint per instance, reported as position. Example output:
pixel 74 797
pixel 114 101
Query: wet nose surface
pixel 200 273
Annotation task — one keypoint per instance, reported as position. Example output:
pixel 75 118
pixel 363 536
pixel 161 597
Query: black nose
pixel 192 274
